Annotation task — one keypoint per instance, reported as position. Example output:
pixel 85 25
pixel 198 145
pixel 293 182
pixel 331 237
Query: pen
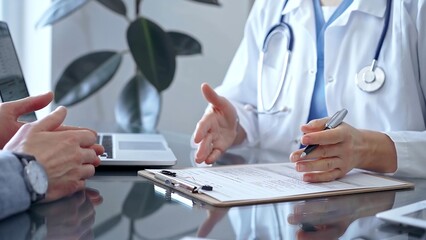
pixel 333 122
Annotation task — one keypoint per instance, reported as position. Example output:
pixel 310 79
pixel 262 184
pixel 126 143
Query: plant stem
pixel 137 14
pixel 137 7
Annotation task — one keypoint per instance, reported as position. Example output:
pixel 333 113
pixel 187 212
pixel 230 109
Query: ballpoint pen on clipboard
pixel 169 178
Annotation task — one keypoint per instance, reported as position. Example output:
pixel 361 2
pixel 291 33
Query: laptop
pixel 121 149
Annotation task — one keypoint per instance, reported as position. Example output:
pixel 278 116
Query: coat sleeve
pixel 410 145
pixel 14 196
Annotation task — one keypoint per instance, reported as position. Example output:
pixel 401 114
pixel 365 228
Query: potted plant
pixel 154 51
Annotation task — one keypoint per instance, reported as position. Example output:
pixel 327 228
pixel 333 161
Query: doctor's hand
pixel 341 149
pixel 218 129
pixel 68 156
pixel 11 111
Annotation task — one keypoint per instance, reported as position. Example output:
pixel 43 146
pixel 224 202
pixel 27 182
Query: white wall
pixel 96 28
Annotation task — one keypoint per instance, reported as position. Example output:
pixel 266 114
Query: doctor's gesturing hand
pixel 340 150
pixel 218 129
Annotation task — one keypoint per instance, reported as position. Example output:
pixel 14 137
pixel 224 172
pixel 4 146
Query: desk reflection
pixel 68 218
pixel 325 218
pixel 330 218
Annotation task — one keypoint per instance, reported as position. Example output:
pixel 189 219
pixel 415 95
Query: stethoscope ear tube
pixel 260 82
pixel 281 28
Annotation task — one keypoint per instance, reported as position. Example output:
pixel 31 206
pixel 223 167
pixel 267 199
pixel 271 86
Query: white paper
pixel 266 181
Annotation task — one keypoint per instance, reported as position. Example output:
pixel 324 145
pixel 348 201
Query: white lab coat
pixel 397 109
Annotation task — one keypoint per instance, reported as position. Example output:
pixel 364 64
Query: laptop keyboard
pixel 106 142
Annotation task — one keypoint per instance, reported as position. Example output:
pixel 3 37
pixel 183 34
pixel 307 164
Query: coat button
pixel 330 79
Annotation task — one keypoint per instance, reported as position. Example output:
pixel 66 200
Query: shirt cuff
pixel 248 122
pixel 402 154
pixel 14 195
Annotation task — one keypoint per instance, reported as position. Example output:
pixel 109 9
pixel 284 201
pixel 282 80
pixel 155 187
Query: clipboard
pixel 364 182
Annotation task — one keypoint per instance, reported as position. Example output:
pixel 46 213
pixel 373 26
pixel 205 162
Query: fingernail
pixel 293 157
pixel 307 178
pixel 305 140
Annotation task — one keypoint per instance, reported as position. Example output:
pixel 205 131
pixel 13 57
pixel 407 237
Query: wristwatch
pixel 35 176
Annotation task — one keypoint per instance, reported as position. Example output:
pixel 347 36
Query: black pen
pixel 334 121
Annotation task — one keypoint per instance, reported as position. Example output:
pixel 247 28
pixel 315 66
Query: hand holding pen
pixel 333 122
pixel 336 148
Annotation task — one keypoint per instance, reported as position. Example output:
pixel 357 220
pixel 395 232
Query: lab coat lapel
pixel 375 8
pixel 302 10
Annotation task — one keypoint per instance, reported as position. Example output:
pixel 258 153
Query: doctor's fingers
pixel 322 151
pixel 325 176
pixel 325 137
pixel 314 125
pixel 203 127
pixel 323 164
pixel 214 156
pixel 208 151
pixel 205 147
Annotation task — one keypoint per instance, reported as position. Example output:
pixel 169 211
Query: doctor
pixel 303 60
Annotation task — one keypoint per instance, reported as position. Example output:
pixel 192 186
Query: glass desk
pixel 118 204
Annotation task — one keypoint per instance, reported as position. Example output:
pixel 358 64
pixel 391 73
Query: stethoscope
pixel 369 79
pixel 372 78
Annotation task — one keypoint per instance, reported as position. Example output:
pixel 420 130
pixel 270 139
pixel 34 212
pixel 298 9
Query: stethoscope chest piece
pixel 370 80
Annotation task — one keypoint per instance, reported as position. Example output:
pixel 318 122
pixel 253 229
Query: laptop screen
pixel 12 82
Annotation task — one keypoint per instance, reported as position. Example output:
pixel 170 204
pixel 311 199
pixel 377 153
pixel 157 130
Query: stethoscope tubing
pixel 282 24
pixel 384 31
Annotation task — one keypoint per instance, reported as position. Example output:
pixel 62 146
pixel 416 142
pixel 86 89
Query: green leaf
pixel 58 10
pixel 185 44
pixel 117 6
pixel 212 2
pixel 141 201
pixel 85 76
pixel 138 106
pixel 153 51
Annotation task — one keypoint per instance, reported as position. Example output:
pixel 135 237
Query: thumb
pixel 212 97
pixel 219 103
pixel 52 121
